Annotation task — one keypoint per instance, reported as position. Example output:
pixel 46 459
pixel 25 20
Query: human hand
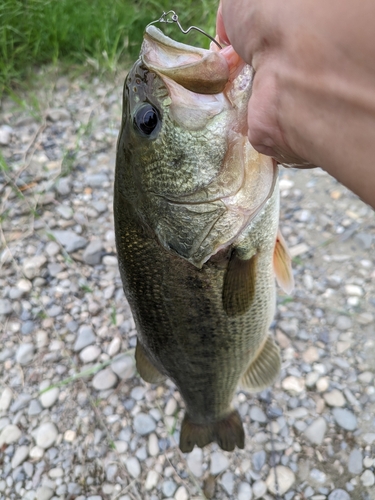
pixel 313 101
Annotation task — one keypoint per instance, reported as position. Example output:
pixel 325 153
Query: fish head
pixel 183 158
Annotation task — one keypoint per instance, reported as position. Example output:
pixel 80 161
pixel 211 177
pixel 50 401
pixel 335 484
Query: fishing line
pixel 171 17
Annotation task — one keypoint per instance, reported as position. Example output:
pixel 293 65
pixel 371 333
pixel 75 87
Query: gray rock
pixel 339 494
pixel 258 459
pixel 195 462
pixel 65 211
pixel 63 186
pixel 144 424
pixel 343 323
pixel 244 491
pixel 318 476
pixel 70 240
pixel 5 399
pixel 25 353
pixel 316 431
pixel 5 307
pixel 133 467
pixel 20 456
pixel 21 402
pixel 219 463
pixel 355 462
pixel 168 488
pixel 227 482
pixel 28 468
pixel 93 253
pixel 104 380
pixel 46 435
pixel 123 366
pixel 96 180
pixel 364 240
pixel 345 418
pixel 257 414
pixel 85 337
pixel 34 408
pixel 44 493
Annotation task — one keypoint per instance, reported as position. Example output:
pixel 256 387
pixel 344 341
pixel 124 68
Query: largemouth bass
pixel 196 212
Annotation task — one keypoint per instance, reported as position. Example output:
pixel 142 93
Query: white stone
pixel 32 265
pixel 219 463
pixel 152 480
pixel 259 489
pixel 56 472
pixel 10 434
pixel 48 398
pixel 5 135
pixel 368 478
pixel 227 482
pixel 105 379
pixel 310 355
pixel 170 407
pixel 322 384
pixel 89 353
pixel 70 436
pixel 153 445
pixel 285 479
pixel 334 398
pixel 123 366
pixel 44 493
pixel 181 494
pixel 5 399
pixel 20 456
pixel 46 435
pixel 25 353
pixel 354 290
pixel 36 453
pixel 194 461
pixel 114 347
pixel 293 385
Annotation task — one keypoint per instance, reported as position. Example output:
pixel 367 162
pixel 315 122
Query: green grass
pixel 103 33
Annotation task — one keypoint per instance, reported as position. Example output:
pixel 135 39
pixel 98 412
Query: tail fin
pixel 227 433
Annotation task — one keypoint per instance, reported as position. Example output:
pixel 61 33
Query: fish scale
pixel 202 295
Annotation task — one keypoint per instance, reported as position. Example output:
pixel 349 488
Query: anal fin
pixel 282 264
pixel 145 367
pixel 239 285
pixel 264 369
pixel 227 433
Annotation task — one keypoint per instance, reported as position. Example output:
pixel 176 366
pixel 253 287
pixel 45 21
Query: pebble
pixel 49 397
pixel 93 253
pixel 85 337
pixel 219 463
pixel 368 462
pixel 318 476
pixel 133 466
pixel 293 385
pixel 181 494
pixel 123 366
pixel 5 307
pixel 44 493
pixel 5 135
pixel 25 353
pixel 339 494
pixel 355 462
pixel 345 418
pixel 144 424
pixel 259 489
pixel 195 462
pixel 34 408
pixel 257 414
pixel 89 353
pixel 70 240
pixel 334 398
pixel 368 478
pixel 316 431
pixel 152 480
pixel 258 459
pixel 46 435
pixel 105 379
pixel 10 434
pixel 168 488
pixel 114 347
pixel 70 436
pixel 153 445
pixel 5 399
pixel 58 114
pixel 244 491
pixel 285 479
pixel 227 482
pixel 31 266
pixel 20 456
pixel 343 323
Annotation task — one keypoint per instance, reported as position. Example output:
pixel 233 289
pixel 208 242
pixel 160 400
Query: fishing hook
pixel 171 17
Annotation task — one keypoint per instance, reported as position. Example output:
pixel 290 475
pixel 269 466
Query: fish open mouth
pixel 196 69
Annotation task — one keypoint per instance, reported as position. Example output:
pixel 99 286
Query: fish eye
pixel 146 119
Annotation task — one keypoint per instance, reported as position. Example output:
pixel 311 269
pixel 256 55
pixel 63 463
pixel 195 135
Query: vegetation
pixel 101 33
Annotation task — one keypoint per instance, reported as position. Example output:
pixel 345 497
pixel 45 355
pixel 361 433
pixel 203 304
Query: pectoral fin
pixel 264 369
pixel 239 285
pixel 145 368
pixel 282 264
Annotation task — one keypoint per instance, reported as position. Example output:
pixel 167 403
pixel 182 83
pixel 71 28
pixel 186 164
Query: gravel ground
pixel 99 432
